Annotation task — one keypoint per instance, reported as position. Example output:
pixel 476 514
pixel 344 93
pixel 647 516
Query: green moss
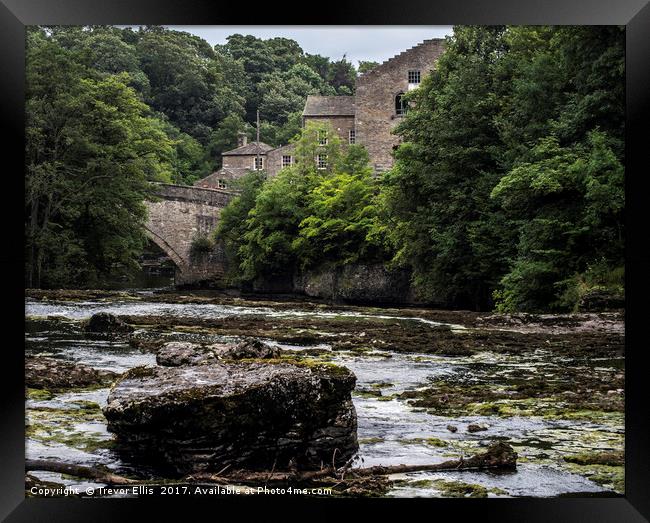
pixel 139 372
pixel 380 385
pixel 61 426
pixel 87 405
pixel 364 393
pixel 433 442
pixel 370 441
pixel 460 489
pixel 310 363
pixel 608 476
pixel 597 458
pixel 38 394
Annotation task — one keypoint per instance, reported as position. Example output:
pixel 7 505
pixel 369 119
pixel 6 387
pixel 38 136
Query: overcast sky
pixel 373 43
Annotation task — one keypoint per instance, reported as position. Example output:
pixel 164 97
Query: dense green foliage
pixel 91 150
pixel 305 217
pixel 509 183
pixel 110 110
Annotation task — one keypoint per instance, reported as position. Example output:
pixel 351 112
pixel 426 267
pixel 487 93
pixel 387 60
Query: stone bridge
pixel 178 216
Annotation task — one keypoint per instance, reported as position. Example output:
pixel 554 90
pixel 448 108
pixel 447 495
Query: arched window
pixel 401 105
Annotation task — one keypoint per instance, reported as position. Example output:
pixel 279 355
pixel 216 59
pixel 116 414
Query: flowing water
pixel 390 431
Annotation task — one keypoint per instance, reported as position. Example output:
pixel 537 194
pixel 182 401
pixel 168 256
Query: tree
pixel 285 93
pixel 232 221
pixel 188 160
pixel 570 202
pixel 563 124
pixel 341 214
pixel 320 64
pixel 265 248
pixel 442 222
pixel 225 138
pixel 185 81
pixel 365 66
pixel 342 76
pixel 91 151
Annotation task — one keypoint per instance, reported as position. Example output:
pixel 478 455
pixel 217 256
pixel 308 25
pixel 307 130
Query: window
pixel 221 184
pixel 321 161
pixel 352 136
pixel 258 164
pixel 401 107
pixel 322 137
pixel 286 161
pixel 414 77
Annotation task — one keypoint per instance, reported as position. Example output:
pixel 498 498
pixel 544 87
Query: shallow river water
pixel 390 431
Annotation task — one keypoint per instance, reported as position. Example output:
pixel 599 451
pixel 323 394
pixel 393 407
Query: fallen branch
pixel 498 456
pixel 101 476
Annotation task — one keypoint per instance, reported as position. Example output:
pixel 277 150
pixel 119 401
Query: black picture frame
pixel 634 14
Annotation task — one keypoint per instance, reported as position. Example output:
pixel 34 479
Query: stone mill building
pixel 367 118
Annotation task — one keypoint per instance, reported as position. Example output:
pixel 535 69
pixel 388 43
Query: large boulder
pixel 104 322
pixel 42 372
pixel 250 415
pixel 176 353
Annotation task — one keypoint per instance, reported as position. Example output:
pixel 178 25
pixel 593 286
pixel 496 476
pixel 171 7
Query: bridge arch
pixel 165 247
pixel 176 217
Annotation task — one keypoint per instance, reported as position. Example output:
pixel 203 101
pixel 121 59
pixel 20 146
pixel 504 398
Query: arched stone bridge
pixel 181 214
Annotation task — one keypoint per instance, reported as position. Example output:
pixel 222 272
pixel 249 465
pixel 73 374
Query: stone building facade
pixel 236 163
pixel 378 98
pixel 368 118
pixel 338 111
pixel 278 158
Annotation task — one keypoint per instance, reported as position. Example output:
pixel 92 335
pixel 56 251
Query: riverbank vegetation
pixel 507 192
pixel 508 188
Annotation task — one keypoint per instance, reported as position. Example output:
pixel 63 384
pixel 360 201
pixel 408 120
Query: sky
pixel 371 43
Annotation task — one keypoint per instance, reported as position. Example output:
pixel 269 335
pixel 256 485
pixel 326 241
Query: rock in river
pixel 106 322
pixel 177 353
pixel 250 415
pixel 52 374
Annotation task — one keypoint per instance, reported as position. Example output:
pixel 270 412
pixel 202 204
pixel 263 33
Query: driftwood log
pixel 498 456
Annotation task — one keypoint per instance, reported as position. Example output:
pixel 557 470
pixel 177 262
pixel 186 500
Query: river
pixel 392 428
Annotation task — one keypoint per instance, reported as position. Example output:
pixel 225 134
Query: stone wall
pixel 341 124
pixel 357 284
pixel 375 99
pixel 206 270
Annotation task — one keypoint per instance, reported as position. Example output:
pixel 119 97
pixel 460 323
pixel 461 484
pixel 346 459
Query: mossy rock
pixel 253 414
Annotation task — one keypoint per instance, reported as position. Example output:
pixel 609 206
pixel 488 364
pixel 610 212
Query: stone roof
pixel 285 147
pixel 329 106
pixel 250 149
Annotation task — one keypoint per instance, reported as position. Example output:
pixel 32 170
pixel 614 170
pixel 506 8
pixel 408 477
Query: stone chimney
pixel 242 139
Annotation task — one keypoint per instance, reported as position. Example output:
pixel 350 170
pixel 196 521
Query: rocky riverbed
pixel 430 385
